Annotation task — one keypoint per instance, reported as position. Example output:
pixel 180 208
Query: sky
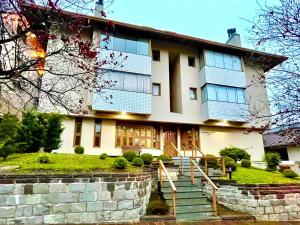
pixel 208 19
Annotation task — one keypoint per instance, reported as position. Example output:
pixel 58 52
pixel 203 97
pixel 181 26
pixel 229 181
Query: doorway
pixel 170 136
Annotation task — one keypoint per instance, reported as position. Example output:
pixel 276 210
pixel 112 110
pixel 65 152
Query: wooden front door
pixel 170 137
pixel 189 137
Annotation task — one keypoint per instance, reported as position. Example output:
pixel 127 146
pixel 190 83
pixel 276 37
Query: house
pixel 171 88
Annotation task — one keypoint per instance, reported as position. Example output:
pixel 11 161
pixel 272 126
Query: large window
pixel 138 46
pixel 77 131
pixel 221 60
pixel 97 133
pixel 223 94
pixel 137 135
pixel 128 81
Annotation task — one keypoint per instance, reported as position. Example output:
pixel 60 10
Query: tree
pixel 53 132
pixel 277 29
pixel 45 55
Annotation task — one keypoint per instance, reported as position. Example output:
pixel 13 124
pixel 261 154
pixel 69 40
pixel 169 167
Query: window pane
pixel 97 128
pixel 241 96
pixel 130 82
pixel 219 60
pixel 119 44
pixel 210 58
pixel 155 55
pixel 193 93
pixel 156 89
pixel 140 83
pixel 236 63
pixel 77 140
pixel 131 46
pixel 142 47
pixel 228 62
pixel 106 42
pixel 222 94
pixel 211 92
pixel 231 94
pixel 204 93
pixel 147 84
pixel 117 80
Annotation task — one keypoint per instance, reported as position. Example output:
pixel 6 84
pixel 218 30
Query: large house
pixel 172 88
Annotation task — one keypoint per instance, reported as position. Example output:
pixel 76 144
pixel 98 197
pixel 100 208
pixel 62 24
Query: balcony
pixel 123 101
pixel 221 76
pixel 233 112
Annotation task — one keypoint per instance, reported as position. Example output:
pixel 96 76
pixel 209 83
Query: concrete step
pixel 180 183
pixel 187 195
pixel 189 189
pixel 189 201
pixel 197 216
pixel 192 208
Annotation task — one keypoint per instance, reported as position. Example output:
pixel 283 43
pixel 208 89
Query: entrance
pixel 189 137
pixel 170 136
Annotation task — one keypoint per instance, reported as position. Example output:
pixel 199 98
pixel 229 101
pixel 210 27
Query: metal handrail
pixel 163 168
pixel 180 155
pixel 214 187
pixel 197 149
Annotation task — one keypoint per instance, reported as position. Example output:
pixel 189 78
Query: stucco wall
pixel 294 153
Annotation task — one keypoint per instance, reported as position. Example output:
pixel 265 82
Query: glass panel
pixel 147 84
pixel 149 132
pixel 236 63
pixel 231 94
pixel 143 132
pixel 97 141
pixel 228 62
pixel 130 82
pixel 106 42
pixel 219 60
pixel 148 143
pixel 118 142
pixel 222 94
pixel 211 92
pixel 193 93
pixel 77 140
pixel 210 58
pixel 119 44
pixel 117 79
pixel 140 83
pixel 98 128
pixel 156 89
pixel 204 94
pixel 142 47
pixel 131 46
pixel 241 96
pixel 78 128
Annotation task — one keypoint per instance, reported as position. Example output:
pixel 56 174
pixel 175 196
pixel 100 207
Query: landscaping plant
pixel 164 158
pixel 272 159
pixel 147 158
pixel 137 162
pixel 211 163
pixel 53 130
pixel 229 162
pixel 289 173
pixel 129 155
pixel 235 153
pixel 246 163
pixel 121 163
pixel 44 159
pixel 103 156
pixel 79 149
pixel 157 207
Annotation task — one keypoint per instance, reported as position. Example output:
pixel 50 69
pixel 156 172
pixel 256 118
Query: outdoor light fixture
pixel 229 172
pixel 123 113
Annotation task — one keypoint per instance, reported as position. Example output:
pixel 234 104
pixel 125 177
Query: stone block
pixel 131 195
pixel 118 195
pixel 26 220
pixel 33 199
pixel 3 221
pixel 94 206
pixel 93 187
pixel 131 214
pixel 104 196
pixel 103 216
pixel 16 200
pixel 278 209
pixel 274 217
pixel 78 207
pixel 117 215
pixel 293 216
pixel 73 218
pixel 39 210
pixel 268 197
pixel 28 189
pixel 6 188
pixel 3 200
pixel 40 188
pixel 62 197
pixel 22 211
pixel 277 202
pixel 292 201
pixel 88 197
pixel 262 217
pixel 19 189
pixel 125 204
pixel 120 186
pixel 269 210
pixel 55 219
pixel 88 217
pixel 291 208
pixel 264 203
pixel 76 187
pixel 283 217
pixel 58 188
pixel 110 205
pixel 6 212
pixel 61 208
pixel 138 203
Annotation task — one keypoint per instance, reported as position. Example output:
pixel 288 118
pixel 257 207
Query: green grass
pixel 258 176
pixel 61 163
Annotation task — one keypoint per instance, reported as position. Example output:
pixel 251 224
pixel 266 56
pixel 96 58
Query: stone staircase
pixel 191 202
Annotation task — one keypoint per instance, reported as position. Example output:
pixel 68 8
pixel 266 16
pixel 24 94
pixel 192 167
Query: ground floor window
pixel 77 131
pixel 97 133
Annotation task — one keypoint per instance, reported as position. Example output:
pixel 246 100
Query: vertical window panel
pixel 211 92
pixel 236 63
pixel 241 96
pixel 156 89
pixel 228 62
pixel 106 42
pixel 131 46
pixel 130 82
pixel 210 58
pixel 142 47
pixel 147 84
pixel 219 59
pixel 231 95
pixel 119 44
pixel 222 94
pixel 77 131
pixel 97 133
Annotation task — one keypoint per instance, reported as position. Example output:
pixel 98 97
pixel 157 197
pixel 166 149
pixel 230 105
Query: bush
pixel 272 159
pixel 164 158
pixel 79 149
pixel 157 207
pixel 289 173
pixel 129 155
pixel 137 162
pixel 211 163
pixel 235 153
pixel 246 163
pixel 53 130
pixel 121 163
pixel 103 156
pixel 229 162
pixel 147 158
pixel 44 159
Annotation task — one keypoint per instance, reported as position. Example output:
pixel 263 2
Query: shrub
pixel 229 162
pixel 164 158
pixel 137 162
pixel 157 207
pixel 103 156
pixel 53 130
pixel 129 155
pixel 272 159
pixel 44 159
pixel 79 149
pixel 121 163
pixel 235 153
pixel 147 158
pixel 246 163
pixel 289 173
pixel 211 163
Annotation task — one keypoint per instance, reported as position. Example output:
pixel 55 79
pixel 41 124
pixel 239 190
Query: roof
pixel 283 138
pixel 269 60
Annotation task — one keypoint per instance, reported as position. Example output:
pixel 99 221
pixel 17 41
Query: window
pixel 131 46
pixel 106 42
pixel 97 133
pixel 155 55
pixel 156 89
pixel 77 131
pixel 142 47
pixel 193 93
pixel 223 94
pixel 191 61
pixel 130 82
pixel 221 60
pixel 119 44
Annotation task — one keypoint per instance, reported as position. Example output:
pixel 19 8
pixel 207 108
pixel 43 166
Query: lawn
pixel 258 176
pixel 61 163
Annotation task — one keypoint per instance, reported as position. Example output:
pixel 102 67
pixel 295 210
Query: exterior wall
pixel 213 139
pixel 294 153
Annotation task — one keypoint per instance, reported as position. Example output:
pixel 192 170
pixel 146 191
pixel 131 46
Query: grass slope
pixel 61 163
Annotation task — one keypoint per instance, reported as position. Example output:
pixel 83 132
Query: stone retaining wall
pixel 265 202
pixel 85 198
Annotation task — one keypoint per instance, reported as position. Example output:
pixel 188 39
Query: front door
pixel 170 137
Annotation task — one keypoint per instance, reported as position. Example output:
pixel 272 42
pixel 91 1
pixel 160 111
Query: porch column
pixel 161 137
pixel 178 138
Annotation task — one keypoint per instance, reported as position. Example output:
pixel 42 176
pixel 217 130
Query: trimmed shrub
pixel 246 163
pixel 121 163
pixel 211 163
pixel 103 156
pixel 272 159
pixel 289 173
pixel 53 131
pixel 137 162
pixel 147 158
pixel 229 162
pixel 157 207
pixel 164 158
pixel 79 149
pixel 44 159
pixel 235 153
pixel 129 155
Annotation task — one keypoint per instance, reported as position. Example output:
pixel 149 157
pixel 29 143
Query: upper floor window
pixel 156 89
pixel 193 93
pixel 138 46
pixel 97 133
pixel 221 60
pixel 223 94
pixel 155 55
pixel 191 61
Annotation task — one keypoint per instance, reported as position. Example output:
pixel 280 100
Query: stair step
pixel 192 208
pixel 180 189
pixel 197 216
pixel 180 183
pixel 189 201
pixel 187 195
